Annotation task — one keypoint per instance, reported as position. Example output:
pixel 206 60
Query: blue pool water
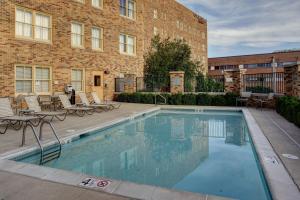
pixel 208 152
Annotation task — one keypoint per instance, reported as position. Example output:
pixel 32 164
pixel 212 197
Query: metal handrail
pixel 39 138
pixel 164 98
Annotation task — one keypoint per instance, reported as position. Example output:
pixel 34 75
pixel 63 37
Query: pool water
pixel 201 152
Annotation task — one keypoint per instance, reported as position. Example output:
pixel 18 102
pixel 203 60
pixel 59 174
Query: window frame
pixel 33 79
pixel 81 35
pixel 101 42
pixel 126 43
pixel 127 10
pixel 97 7
pixel 80 1
pixel 82 81
pixel 33 26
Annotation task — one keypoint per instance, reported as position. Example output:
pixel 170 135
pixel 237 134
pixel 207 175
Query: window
pixel 97 3
pixel 80 1
pixel 42 80
pixel 33 25
pixel 33 79
pixel 24 24
pixel 77 79
pixel 155 31
pixel 128 8
pixel 155 14
pixel 127 44
pixel 24 79
pixel 76 35
pixel 97 41
pixel 42 27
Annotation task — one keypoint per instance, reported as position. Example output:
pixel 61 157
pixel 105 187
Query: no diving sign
pixel 95 183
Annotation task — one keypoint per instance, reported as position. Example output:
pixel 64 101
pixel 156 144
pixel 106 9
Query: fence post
pixel 176 82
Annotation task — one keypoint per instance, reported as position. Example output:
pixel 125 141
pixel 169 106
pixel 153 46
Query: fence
pixel 119 84
pixel 210 83
pixel 264 83
pixel 152 84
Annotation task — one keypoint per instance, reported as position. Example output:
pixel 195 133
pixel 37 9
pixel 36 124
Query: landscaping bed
pixel 289 108
pixel 179 99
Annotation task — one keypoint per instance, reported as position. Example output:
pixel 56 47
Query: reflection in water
pixel 169 150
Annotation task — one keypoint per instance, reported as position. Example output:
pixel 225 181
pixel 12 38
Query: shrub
pixel 204 99
pixel 259 89
pixel 179 99
pixel 189 99
pixel 289 107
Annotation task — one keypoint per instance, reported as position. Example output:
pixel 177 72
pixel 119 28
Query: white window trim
pixel 134 43
pixel 101 39
pixel 83 78
pixel 33 79
pixel 33 25
pixel 127 15
pixel 98 7
pixel 82 35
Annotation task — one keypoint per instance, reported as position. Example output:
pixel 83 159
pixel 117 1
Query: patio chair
pixel 9 119
pixel 45 101
pixel 244 98
pixel 260 102
pixel 80 111
pixel 33 105
pixel 86 103
pixel 111 104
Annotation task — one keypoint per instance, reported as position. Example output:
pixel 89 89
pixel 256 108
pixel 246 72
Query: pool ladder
pixel 46 154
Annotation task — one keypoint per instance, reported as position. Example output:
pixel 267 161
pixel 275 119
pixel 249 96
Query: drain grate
pixel 271 159
pixel 290 156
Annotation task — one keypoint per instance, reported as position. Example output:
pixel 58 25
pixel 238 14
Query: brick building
pixel 45 45
pixel 254 64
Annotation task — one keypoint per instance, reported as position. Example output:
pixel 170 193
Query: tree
pixel 164 56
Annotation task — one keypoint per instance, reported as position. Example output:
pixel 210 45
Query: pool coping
pixel 280 183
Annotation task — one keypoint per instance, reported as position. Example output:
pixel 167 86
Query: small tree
pixel 165 56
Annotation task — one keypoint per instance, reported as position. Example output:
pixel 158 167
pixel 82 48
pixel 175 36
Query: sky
pixel 239 27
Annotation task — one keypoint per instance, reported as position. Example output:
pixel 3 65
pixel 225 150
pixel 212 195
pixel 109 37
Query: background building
pixel 254 64
pixel 46 45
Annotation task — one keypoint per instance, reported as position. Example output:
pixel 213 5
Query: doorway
pixel 98 83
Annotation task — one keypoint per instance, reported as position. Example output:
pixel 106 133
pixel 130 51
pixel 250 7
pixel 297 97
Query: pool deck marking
pixel 281 185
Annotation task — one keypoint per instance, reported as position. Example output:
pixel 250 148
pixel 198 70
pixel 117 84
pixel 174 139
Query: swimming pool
pixel 198 151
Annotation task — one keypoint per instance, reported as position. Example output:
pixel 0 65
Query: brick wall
pixel 62 57
pixel 292 80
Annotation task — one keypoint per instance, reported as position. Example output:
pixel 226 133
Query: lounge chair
pixel 244 98
pixel 111 104
pixel 80 111
pixel 86 103
pixel 34 106
pixel 9 119
pixel 260 102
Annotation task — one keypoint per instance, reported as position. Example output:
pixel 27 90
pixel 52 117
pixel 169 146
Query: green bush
pixel 289 107
pixel 259 89
pixel 188 99
pixel 204 99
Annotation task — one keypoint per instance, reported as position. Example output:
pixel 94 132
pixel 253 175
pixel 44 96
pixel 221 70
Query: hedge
pixel 289 107
pixel 179 99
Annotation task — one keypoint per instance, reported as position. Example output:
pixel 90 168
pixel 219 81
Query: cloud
pixel 249 23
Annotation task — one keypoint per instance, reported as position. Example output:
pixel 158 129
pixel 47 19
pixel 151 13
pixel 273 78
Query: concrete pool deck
pixel 286 132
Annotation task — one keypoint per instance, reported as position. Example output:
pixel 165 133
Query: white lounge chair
pixel 34 105
pixel 97 107
pixel 80 111
pixel 111 104
pixel 9 119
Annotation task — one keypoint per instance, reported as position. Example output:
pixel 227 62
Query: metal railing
pixel 264 82
pixel 210 83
